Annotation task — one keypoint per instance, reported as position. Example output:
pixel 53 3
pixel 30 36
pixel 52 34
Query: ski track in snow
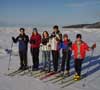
pixel 30 83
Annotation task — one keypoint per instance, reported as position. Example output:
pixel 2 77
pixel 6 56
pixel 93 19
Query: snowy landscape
pixel 18 82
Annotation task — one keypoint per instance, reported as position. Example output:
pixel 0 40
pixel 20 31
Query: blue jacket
pixel 65 47
pixel 23 42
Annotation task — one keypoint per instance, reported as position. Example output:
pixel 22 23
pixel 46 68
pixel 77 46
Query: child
pixel 46 48
pixel 66 52
pixel 79 48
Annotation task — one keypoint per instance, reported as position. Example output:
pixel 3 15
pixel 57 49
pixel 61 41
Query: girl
pixel 66 54
pixel 46 48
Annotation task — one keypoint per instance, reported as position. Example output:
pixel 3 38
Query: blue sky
pixel 49 12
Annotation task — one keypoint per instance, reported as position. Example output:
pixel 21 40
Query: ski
pixel 47 75
pixel 25 72
pixel 59 78
pixel 14 73
pixel 38 74
pixel 50 79
pixel 32 73
pixel 55 77
pixel 17 72
pixel 70 81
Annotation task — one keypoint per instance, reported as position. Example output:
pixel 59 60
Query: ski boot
pixel 62 74
pixel 20 68
pixel 76 77
pixel 25 67
pixel 67 73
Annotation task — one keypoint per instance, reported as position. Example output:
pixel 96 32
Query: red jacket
pixel 35 41
pixel 83 48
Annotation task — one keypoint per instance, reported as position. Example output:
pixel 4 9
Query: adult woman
pixel 35 41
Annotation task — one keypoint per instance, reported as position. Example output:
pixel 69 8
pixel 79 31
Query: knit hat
pixel 35 30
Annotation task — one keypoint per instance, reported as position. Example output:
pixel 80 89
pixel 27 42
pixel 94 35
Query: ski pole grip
pixel 93 46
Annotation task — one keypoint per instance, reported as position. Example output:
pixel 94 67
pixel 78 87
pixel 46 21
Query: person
pixel 56 38
pixel 79 48
pixel 46 49
pixel 66 54
pixel 35 41
pixel 23 40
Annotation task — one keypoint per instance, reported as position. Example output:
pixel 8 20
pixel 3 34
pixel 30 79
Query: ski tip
pixel 83 85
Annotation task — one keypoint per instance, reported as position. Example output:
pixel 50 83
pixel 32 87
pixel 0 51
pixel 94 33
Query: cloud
pixel 83 3
pixel 74 5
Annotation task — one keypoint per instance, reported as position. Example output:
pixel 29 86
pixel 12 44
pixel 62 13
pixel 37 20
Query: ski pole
pixel 84 82
pixel 10 56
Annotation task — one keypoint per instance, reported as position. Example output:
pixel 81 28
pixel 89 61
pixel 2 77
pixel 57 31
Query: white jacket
pixel 54 44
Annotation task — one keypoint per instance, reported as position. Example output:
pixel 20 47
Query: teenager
pixel 56 38
pixel 23 40
pixel 35 41
pixel 46 49
pixel 66 54
pixel 79 48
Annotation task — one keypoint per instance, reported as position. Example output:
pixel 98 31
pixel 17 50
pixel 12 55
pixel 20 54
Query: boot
pixel 21 67
pixel 62 74
pixel 25 67
pixel 67 73
pixel 76 77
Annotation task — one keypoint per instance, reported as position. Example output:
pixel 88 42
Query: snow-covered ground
pixel 29 83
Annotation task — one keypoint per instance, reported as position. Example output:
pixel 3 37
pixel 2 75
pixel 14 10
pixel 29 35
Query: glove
pixel 57 39
pixel 49 45
pixel 33 41
pixel 13 39
pixel 52 35
pixel 44 41
pixel 93 46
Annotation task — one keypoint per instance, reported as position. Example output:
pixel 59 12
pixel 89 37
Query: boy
pixel 79 48
pixel 56 38
pixel 23 40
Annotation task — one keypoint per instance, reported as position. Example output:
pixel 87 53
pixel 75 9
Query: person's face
pixel 45 34
pixel 78 39
pixel 35 33
pixel 55 29
pixel 65 38
pixel 21 32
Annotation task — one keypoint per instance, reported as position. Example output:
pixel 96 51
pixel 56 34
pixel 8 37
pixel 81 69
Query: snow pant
pixel 78 66
pixel 55 57
pixel 35 57
pixel 46 60
pixel 23 58
pixel 65 60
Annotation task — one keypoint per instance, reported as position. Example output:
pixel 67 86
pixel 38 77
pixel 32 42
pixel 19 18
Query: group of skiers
pixel 52 44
